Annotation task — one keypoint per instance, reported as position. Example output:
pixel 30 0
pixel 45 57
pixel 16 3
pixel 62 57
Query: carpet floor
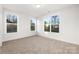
pixel 38 45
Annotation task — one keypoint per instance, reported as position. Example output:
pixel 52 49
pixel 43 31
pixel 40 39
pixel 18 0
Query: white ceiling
pixel 31 10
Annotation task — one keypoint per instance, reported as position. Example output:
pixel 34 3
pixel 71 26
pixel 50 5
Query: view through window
pixel 51 24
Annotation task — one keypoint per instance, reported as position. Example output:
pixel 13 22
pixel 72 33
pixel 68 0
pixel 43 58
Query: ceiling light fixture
pixel 37 6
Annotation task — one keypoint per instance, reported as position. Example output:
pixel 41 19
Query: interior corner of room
pixel 54 21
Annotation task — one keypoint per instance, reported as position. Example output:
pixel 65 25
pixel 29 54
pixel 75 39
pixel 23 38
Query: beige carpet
pixel 38 45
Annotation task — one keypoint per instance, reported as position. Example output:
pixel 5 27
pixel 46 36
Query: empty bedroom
pixel 39 29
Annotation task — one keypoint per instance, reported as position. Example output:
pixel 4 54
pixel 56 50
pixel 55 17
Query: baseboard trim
pixel 60 40
pixel 0 44
pixel 18 38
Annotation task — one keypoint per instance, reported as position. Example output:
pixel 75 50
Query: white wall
pixel 23 26
pixel 69 29
pixel 1 30
pixel 69 25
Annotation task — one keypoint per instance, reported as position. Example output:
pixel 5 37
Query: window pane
pixel 55 24
pixel 11 21
pixel 33 25
pixel 54 28
pixel 47 27
pixel 47 24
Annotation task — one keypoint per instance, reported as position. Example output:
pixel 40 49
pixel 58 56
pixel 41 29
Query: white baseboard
pixel 71 42
pixel 0 44
pixel 15 38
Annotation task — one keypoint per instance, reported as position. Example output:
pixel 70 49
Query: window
pixel 51 24
pixel 54 24
pixel 33 22
pixel 47 25
pixel 11 23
